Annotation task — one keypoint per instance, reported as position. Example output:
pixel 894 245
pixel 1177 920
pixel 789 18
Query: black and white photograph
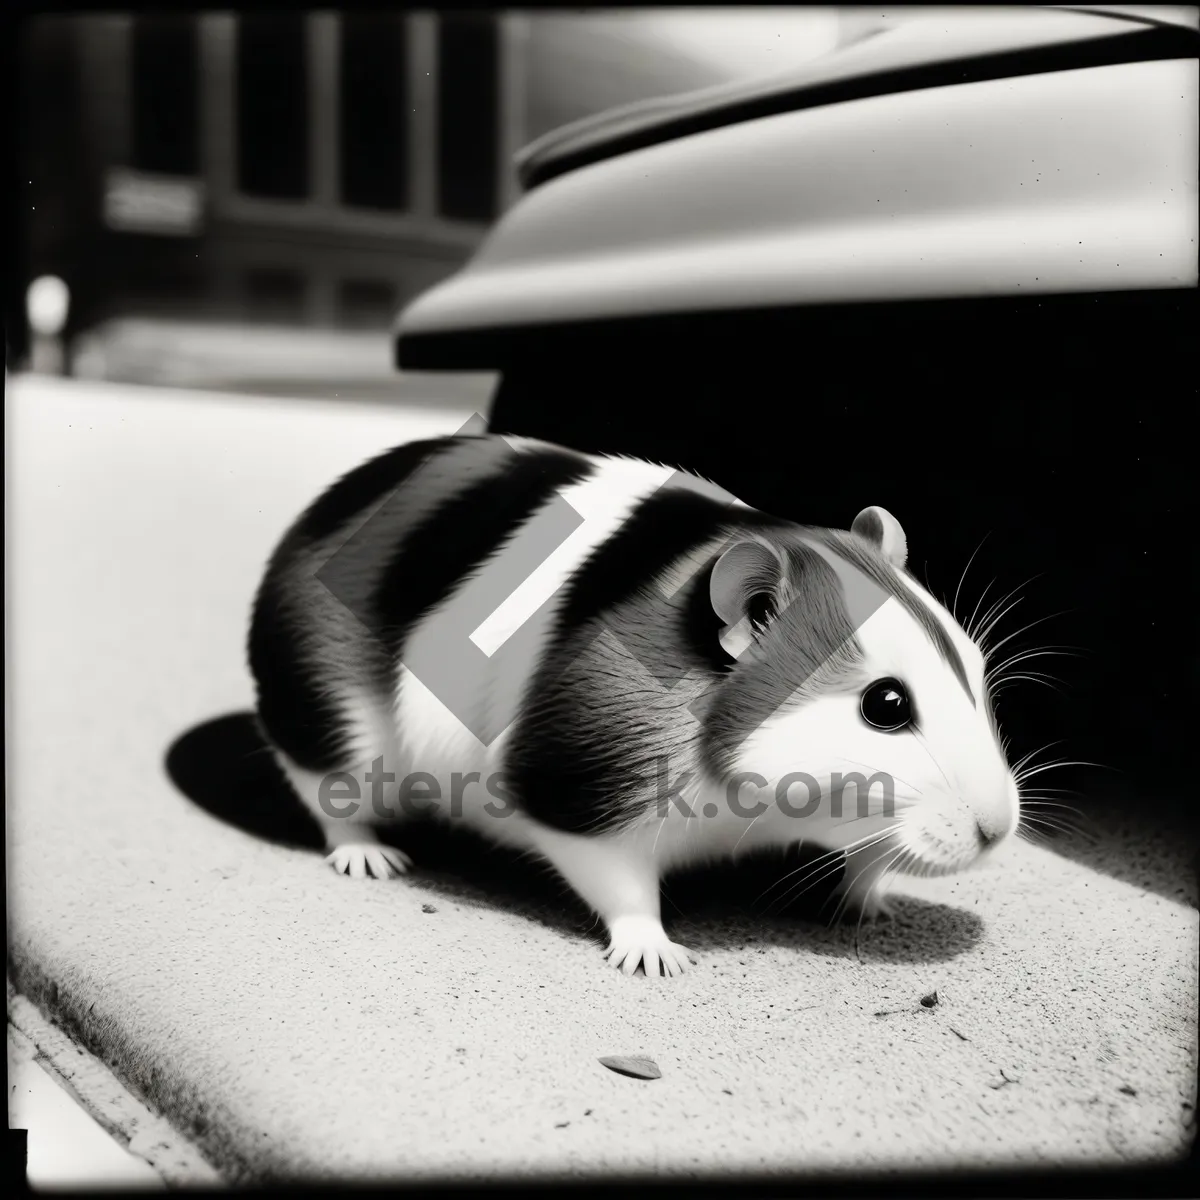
pixel 602 597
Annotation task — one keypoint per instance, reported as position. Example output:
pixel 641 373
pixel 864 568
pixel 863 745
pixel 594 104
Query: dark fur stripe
pixel 295 714
pixel 578 753
pixel 359 489
pixel 463 532
pixel 664 526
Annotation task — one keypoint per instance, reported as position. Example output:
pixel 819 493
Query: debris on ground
pixel 428 908
pixel 929 1001
pixel 635 1068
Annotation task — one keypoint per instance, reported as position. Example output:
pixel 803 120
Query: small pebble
pixel 929 1001
pixel 635 1068
pixel 427 908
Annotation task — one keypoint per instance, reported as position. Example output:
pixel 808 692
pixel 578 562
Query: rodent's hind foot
pixel 368 860
pixel 642 941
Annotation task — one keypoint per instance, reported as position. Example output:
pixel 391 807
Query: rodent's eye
pixel 761 609
pixel 885 705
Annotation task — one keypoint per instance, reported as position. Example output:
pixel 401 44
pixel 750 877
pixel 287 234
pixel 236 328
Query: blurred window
pixel 467 111
pixel 275 294
pixel 374 110
pixel 366 304
pixel 165 71
pixel 272 106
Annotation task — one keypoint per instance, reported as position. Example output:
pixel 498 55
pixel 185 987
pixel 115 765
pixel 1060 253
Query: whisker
pixel 1026 628
pixel 991 608
pixel 828 854
pixel 839 909
pixel 1055 766
pixel 1055 685
pixel 962 578
pixel 746 831
pixel 826 864
pixel 988 621
pixel 879 771
pixel 1039 750
pixel 657 834
pixel 875 884
pixel 933 760
pixel 1042 676
pixel 971 621
pixel 821 869
pixel 1039 805
pixel 1067 829
pixel 986 625
pixel 1051 812
pixel 1054 651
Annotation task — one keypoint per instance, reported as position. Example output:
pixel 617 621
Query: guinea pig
pixel 619 668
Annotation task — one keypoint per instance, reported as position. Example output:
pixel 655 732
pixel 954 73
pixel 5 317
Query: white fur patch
pixel 604 500
pixel 434 738
pixel 943 780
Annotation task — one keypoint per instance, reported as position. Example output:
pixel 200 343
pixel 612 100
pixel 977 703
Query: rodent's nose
pixel 988 834
pixel 993 825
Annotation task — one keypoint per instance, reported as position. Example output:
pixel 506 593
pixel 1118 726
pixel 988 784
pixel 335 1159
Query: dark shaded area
pixel 366 303
pixel 14 269
pixel 466 98
pixel 1046 436
pixel 787 899
pixel 373 110
pixel 272 105
pixel 164 103
pixel 1122 829
pixel 225 768
pixel 54 197
pixel 275 294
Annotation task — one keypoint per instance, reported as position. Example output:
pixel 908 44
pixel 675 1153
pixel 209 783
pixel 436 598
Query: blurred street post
pixel 47 303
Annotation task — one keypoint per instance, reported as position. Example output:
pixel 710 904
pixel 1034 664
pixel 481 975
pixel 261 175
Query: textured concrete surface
pixel 64 1146
pixel 291 1021
pixel 85 1128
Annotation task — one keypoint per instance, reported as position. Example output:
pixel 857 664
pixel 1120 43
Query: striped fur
pixel 368 577
pixel 545 620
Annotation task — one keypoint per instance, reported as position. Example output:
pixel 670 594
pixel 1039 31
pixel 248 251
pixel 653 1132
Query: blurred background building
pixel 198 177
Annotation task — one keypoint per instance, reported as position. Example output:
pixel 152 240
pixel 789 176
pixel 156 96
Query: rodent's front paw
pixel 875 909
pixel 642 940
pixel 878 908
pixel 366 860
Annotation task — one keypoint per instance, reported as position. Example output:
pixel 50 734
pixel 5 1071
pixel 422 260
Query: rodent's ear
pixel 877 526
pixel 741 578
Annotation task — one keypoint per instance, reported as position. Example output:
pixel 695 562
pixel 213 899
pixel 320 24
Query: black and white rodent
pixel 617 666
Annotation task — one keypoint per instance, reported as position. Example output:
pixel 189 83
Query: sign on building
pixel 138 202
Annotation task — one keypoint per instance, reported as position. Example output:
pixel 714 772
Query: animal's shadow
pixel 224 767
